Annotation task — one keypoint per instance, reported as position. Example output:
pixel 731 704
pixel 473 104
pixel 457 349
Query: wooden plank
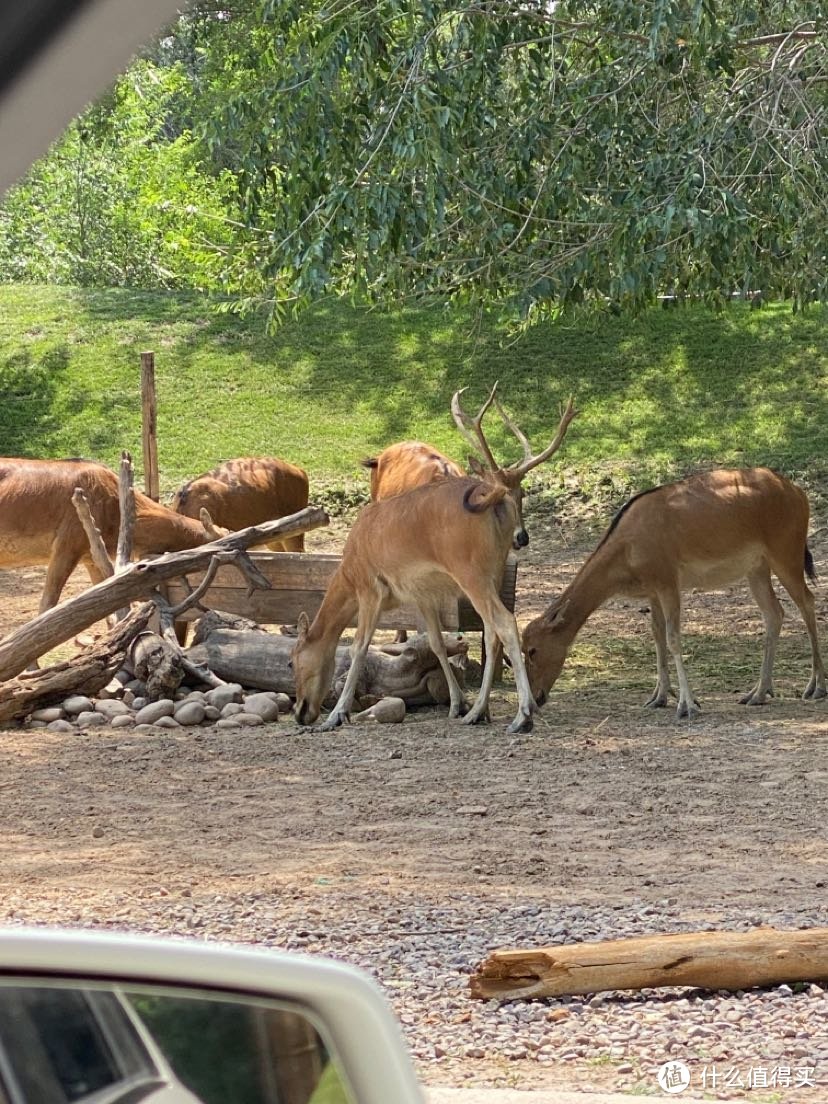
pixel 149 423
pixel 277 606
pixel 299 581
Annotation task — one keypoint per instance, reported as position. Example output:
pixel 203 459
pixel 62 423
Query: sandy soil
pixel 604 804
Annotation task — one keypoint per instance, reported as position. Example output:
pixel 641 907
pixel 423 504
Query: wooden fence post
pixel 149 427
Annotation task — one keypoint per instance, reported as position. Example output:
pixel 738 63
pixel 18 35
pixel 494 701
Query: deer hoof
pixel 688 710
pixel 814 692
pixel 332 722
pixel 521 724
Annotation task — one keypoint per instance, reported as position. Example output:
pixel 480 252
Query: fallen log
pixel 705 960
pixel 263 660
pixel 63 622
pixel 87 672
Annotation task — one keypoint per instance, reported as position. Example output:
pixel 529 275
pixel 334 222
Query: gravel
pixel 421 953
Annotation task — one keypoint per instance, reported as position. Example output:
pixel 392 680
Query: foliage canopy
pixel 531 156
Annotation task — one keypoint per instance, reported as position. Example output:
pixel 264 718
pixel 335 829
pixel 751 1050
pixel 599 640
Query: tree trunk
pixel 66 620
pixel 262 660
pixel 85 673
pixel 707 960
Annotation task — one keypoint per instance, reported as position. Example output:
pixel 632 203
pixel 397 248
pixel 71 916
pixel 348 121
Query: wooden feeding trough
pixel 298 583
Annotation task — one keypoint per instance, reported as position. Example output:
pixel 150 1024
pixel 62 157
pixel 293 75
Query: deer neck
pixel 600 577
pixel 337 612
pixel 158 529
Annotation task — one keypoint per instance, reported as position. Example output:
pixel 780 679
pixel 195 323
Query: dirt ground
pixel 604 804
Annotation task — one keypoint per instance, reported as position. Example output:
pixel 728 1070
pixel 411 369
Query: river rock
pixel 385 711
pixel 78 703
pixel 152 713
pixel 263 705
pixel 189 713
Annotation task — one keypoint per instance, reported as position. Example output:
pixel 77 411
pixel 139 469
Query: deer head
pixel 510 477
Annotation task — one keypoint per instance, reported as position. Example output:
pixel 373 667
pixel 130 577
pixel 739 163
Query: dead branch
pixel 100 556
pixel 708 960
pixel 126 501
pixel 64 621
pixel 85 673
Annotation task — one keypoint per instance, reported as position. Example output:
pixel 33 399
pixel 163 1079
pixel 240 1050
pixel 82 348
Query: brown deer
pixel 246 492
pixel 407 465
pixel 420 547
pixel 704 532
pixel 511 477
pixel 39 523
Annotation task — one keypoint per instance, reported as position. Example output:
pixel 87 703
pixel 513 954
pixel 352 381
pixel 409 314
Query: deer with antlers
pixel 448 535
pixel 40 525
pixel 704 532
pixel 421 548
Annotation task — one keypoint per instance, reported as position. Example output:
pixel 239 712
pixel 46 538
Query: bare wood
pixel 97 548
pixel 263 660
pixel 85 673
pixel 60 623
pixel 708 960
pixel 157 663
pixel 297 585
pixel 126 502
pixel 149 426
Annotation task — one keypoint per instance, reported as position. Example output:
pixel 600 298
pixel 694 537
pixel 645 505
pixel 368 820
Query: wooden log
pixel 85 673
pixel 706 960
pixel 157 663
pixel 63 622
pixel 263 660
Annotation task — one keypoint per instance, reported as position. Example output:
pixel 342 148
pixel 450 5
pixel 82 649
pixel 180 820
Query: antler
pixel 529 460
pixel 471 428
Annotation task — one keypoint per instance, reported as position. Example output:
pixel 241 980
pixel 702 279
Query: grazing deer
pixel 420 547
pixel 704 532
pixel 246 492
pixel 39 523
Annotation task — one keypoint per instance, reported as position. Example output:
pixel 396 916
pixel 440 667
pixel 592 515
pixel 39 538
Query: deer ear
pixel 557 617
pixel 210 528
pixel 476 468
pixel 302 626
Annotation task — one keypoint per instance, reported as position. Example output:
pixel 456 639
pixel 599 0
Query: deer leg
pixel 369 613
pixel 60 568
pixel 663 689
pixel 670 601
pixel 794 583
pixel 500 623
pixel 458 704
pixel 492 653
pixel 762 590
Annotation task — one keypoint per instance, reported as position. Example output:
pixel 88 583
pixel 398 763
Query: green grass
pixel 659 394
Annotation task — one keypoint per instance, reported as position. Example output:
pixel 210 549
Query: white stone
pixel 385 711
pixel 111 708
pixel 78 704
pixel 153 712
pixel 250 719
pixel 227 722
pixel 219 696
pixel 189 713
pixel 231 708
pixel 50 713
pixel 123 720
pixel 60 726
pixel 167 722
pixel 88 718
pixel 263 705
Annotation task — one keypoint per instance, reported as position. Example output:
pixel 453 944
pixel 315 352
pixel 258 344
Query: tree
pixel 533 155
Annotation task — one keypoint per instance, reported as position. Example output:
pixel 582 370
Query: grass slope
pixel 659 394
